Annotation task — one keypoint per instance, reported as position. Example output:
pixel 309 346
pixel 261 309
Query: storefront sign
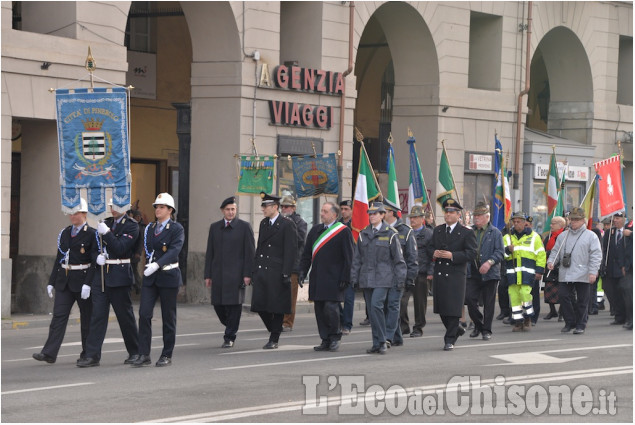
pixel 576 174
pixel 479 162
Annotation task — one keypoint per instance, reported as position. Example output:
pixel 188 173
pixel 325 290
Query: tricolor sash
pixel 326 236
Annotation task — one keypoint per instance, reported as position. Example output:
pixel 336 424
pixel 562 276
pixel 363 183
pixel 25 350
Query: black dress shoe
pixel 475 333
pixel 460 331
pixel 378 349
pixel 593 312
pixel 270 345
pixel 334 346
pixel 383 348
pixel 628 326
pixel 365 322
pixel 41 357
pixel 142 360
pixel 397 343
pixel 550 316
pixel 227 344
pixel 405 332
pixel 487 336
pixel 616 322
pixel 131 359
pixel 566 329
pixel 373 350
pixel 578 331
pixel 501 316
pixel 322 347
pixel 507 321
pixel 163 361
pixel 448 347
pixel 88 362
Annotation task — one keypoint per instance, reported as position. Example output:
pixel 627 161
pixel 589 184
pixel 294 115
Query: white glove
pixel 102 228
pixel 101 259
pixel 150 268
pixel 85 292
pixel 49 289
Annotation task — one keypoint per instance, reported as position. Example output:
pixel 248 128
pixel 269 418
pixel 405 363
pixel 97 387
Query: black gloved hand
pixel 344 284
pixel 410 283
pixel 355 285
pixel 286 280
pixel 300 280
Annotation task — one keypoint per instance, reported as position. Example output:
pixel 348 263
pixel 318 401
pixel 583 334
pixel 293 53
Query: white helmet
pixel 164 199
pixel 83 205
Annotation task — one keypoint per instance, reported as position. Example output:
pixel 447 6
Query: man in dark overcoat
pixel 288 209
pixel 275 257
pixel 229 263
pixel 453 246
pixel 329 253
pixel 611 269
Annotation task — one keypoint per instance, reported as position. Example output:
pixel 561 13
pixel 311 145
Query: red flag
pixel 610 186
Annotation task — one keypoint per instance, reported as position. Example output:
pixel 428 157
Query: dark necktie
pixel 618 237
pixel 159 229
pixel 448 229
pixel 227 224
pixel 74 231
pixel 374 231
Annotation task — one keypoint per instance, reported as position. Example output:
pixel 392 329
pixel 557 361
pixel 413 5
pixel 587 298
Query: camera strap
pixel 574 244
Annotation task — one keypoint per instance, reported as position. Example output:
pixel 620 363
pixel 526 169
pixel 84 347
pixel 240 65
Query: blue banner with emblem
pixel 92 127
pixel 315 175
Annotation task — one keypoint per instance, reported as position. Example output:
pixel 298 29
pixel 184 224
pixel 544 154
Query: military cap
pixel 607 220
pixel 529 219
pixel 618 214
pixel 230 200
pixel 451 205
pixel 389 206
pixel 376 207
pixel 519 214
pixel 416 211
pixel 267 199
pixel 287 200
pixel 347 203
pixel 577 213
pixel 481 208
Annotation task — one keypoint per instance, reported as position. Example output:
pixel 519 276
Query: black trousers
pixel 273 322
pixel 485 289
pixel 167 296
pixel 62 306
pixel 503 296
pixel 626 285
pixel 535 300
pixel 419 294
pixel 119 298
pixel 229 316
pixel 575 314
pixel 613 292
pixel 451 324
pixel 327 315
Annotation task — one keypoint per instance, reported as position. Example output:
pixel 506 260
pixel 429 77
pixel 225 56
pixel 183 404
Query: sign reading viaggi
pixel 305 80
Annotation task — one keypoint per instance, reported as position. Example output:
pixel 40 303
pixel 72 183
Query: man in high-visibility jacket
pixel 525 260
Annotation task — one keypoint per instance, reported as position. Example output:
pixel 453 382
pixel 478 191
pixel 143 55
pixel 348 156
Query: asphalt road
pixel 537 376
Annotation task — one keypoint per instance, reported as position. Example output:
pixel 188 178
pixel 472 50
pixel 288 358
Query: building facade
pixel 215 79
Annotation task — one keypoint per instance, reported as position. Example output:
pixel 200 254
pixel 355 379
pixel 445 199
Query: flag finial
pixel 410 133
pixel 358 135
pixel 390 139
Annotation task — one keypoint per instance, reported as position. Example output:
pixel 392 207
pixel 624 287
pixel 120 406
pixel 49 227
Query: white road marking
pixel 291 362
pixel 540 357
pixel 489 344
pixel 46 388
pixel 244 412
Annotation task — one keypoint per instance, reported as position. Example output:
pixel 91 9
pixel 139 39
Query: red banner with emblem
pixel 610 186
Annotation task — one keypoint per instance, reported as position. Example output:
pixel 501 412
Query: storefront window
pixel 478 188
pixel 573 194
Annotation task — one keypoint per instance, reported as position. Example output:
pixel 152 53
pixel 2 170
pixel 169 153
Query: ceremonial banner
pixel 314 176
pixel 392 197
pixel 417 192
pixel 551 190
pixel 446 186
pixel 610 186
pixel 499 208
pixel 366 190
pixel 255 174
pixel 92 127
pixel 587 203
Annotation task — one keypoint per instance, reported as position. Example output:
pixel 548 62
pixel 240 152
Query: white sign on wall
pixel 576 174
pixel 142 74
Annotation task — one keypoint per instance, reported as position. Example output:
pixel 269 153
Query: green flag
pixel 392 196
pixel 445 187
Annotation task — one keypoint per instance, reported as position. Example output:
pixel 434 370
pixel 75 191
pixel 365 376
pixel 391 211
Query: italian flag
pixel 392 197
pixel 366 190
pixel 551 189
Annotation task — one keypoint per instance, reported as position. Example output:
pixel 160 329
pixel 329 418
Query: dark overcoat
pixel 275 256
pixel 616 259
pixel 83 250
pixel 330 266
pixel 120 243
pixel 229 258
pixel 164 250
pixel 449 275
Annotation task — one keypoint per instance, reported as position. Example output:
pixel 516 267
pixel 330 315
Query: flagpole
pixel 458 199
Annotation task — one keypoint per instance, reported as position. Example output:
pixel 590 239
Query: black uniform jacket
pixel 449 275
pixel 83 250
pixel 229 258
pixel 331 265
pixel 616 255
pixel 120 244
pixel 275 256
pixel 166 247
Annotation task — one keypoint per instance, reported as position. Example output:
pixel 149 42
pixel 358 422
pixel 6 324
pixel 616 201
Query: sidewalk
pixel 184 312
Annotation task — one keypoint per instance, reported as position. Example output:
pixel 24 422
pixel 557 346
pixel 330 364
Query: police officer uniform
pixel 119 243
pixel 71 277
pixel 275 258
pixel 162 279
pixel 449 274
pixel 378 265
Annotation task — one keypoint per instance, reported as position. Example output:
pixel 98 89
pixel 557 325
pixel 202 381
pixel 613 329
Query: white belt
pixel 75 266
pixel 119 261
pixel 170 266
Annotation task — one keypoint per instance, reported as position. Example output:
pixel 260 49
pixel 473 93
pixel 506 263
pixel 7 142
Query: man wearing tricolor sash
pixel 329 253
